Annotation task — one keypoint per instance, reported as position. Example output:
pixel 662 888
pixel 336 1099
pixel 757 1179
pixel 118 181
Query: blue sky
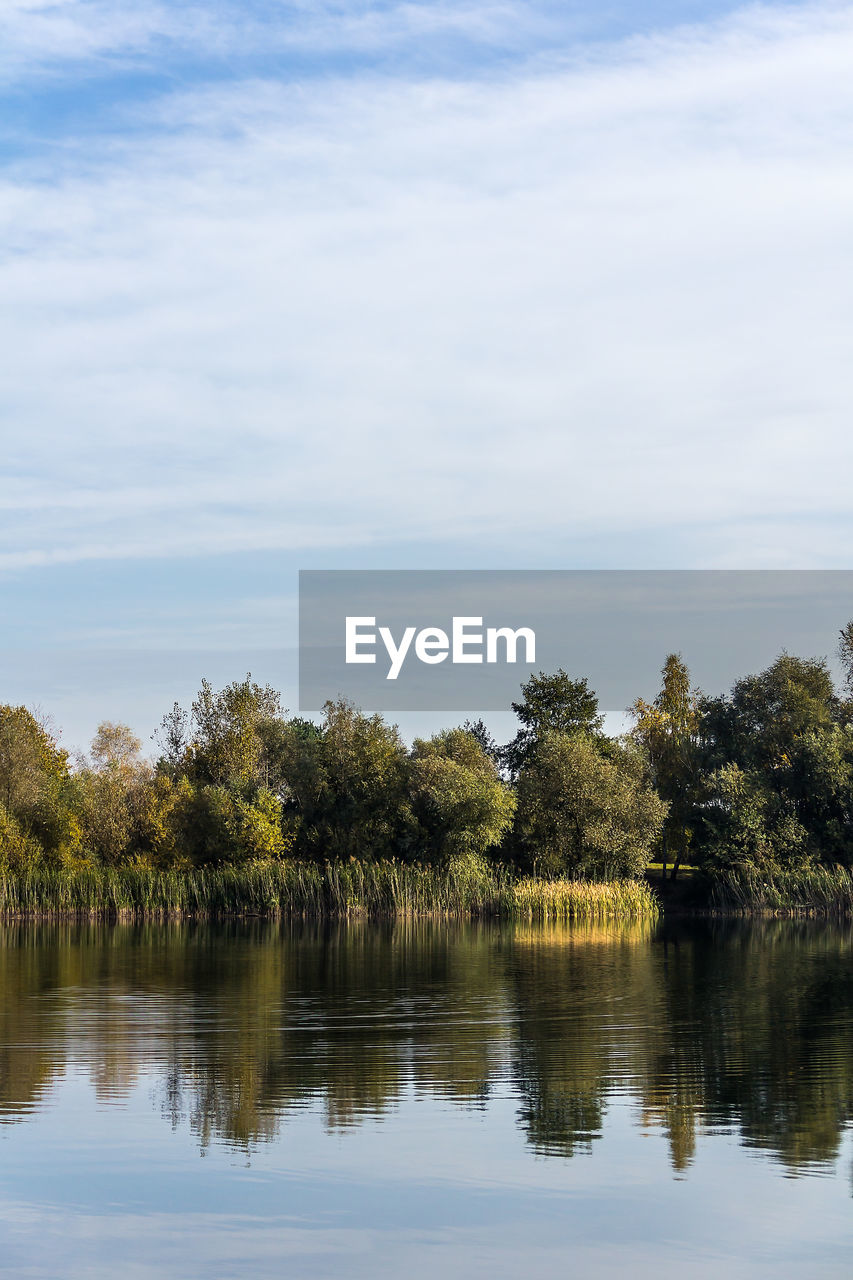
pixel 366 284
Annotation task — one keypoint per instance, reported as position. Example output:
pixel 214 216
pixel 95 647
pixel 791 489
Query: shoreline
pixel 378 892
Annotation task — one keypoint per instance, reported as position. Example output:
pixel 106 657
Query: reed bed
pixel 816 891
pixel 584 900
pixel 469 889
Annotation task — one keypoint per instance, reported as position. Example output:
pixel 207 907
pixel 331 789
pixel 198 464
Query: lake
pixel 280 1099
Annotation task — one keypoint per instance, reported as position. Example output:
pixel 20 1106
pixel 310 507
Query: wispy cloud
pixel 47 35
pixel 605 295
pixel 35 34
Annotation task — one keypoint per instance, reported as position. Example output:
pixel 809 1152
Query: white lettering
pixel 395 653
pixel 461 638
pixel 432 645
pixel 511 637
pixel 354 639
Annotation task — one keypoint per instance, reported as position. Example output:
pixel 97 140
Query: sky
pixel 368 284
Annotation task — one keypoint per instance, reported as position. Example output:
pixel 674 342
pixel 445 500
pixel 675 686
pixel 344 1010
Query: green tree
pixel 28 756
pixel 551 703
pixel 217 825
pixel 163 824
pixel 748 826
pixel 346 785
pixel 458 798
pixel 582 815
pixel 18 849
pixel 220 792
pixel 845 653
pixel 779 770
pixel 37 793
pixel 481 732
pixel 668 731
pixel 756 724
pixel 227 733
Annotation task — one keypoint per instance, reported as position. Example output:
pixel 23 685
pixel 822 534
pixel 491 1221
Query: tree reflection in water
pixel 744 1026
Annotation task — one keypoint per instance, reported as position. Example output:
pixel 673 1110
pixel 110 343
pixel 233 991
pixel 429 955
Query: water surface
pixel 419 1099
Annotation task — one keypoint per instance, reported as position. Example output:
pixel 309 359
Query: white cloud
pixel 602 297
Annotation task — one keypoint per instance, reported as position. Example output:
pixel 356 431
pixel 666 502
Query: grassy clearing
pixel 341 889
pixel 819 891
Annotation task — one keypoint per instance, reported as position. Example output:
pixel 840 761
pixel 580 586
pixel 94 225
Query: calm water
pixel 422 1100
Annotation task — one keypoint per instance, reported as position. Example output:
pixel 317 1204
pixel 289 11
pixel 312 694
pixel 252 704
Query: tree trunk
pixel 663 856
pixel 678 857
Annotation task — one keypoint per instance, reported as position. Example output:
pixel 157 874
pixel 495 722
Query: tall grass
pixel 468 888
pixel 584 900
pixel 817 891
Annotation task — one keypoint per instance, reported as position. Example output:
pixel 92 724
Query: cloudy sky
pixel 286 283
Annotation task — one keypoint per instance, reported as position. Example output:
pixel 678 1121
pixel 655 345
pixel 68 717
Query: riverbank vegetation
pixel 249 809
pixel 465 888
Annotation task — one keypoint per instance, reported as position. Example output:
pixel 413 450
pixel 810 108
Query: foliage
pixel 227 745
pixel 36 794
pixel 347 786
pixel 583 815
pixel 18 850
pixel 458 798
pixel 755 783
pixel 115 747
pixel 778 771
pixel 480 731
pixel 845 654
pixel 757 723
pixel 220 826
pixel 668 731
pixel 551 703
pixel 171 738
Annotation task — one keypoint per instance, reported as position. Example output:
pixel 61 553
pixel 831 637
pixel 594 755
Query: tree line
pixel 759 779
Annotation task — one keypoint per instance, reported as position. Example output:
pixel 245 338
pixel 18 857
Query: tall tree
pixel 171 738
pixel 668 730
pixel 29 756
pixel 480 731
pixel 551 703
pixel 845 654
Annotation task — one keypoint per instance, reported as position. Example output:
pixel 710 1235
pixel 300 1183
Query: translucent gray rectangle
pixel 614 627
